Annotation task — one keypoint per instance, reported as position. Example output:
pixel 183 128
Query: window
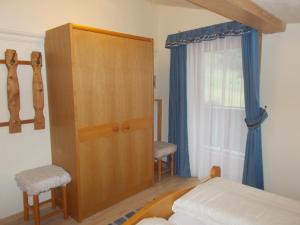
pixel 216 111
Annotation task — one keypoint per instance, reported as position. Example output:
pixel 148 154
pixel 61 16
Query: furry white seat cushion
pixel 38 180
pixel 162 149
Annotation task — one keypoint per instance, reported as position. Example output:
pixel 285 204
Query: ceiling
pixel 286 10
pixel 178 3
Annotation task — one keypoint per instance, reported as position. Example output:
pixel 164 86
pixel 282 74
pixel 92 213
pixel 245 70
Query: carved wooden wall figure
pixel 37 91
pixel 13 91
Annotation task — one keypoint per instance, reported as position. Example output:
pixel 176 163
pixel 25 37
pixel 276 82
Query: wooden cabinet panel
pixel 100 175
pixel 95 76
pixel 135 83
pixel 61 108
pixel 138 163
pixel 114 76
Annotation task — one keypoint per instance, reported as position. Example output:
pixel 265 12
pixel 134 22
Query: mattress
pixel 183 219
pixel 175 219
pixel 223 202
pixel 154 221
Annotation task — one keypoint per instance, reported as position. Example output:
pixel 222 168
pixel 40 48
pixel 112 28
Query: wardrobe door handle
pixel 126 128
pixel 116 129
pixel 136 124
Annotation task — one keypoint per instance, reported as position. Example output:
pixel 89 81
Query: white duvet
pixel 222 202
pixel 154 221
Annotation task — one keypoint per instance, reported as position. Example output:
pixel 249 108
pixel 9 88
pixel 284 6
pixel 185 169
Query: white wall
pixel 31 148
pixel 131 16
pixel 171 20
pixel 27 149
pixel 280 91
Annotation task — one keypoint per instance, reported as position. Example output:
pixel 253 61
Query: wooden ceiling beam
pixel 246 12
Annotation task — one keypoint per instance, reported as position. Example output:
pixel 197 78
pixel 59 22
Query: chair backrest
pixel 159 118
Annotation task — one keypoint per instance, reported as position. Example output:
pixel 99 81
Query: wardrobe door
pixel 135 88
pixel 107 146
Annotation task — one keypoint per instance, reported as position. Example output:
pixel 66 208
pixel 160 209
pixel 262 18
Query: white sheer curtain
pixel 215 93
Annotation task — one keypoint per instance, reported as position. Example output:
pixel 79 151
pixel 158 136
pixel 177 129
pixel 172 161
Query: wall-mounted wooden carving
pixel 37 91
pixel 13 91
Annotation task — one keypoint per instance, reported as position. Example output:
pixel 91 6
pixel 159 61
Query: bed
pixel 218 201
pixel 162 206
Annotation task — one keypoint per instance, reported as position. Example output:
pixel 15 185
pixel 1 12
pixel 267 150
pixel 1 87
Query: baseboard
pixel 19 216
pixel 11 218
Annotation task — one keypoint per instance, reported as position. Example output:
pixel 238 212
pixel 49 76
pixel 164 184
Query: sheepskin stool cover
pixel 38 180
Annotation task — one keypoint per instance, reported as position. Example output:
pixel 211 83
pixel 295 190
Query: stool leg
pixel 64 201
pixel 36 210
pixel 53 198
pixel 172 164
pixel 158 169
pixel 25 206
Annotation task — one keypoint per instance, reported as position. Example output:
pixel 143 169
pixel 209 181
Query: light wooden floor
pixel 116 211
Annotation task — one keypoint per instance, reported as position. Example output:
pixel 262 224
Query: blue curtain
pixel 178 110
pixel 253 166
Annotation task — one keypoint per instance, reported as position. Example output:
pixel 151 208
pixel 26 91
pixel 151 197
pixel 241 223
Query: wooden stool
pixel 161 150
pixel 35 181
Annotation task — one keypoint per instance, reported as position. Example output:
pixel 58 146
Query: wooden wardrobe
pixel 100 88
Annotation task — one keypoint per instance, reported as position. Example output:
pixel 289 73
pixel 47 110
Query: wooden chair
pixel 35 181
pixel 163 149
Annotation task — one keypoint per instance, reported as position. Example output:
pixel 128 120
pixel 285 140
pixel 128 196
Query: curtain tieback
pixel 257 122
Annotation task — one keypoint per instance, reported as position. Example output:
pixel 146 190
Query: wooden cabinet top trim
pixel 112 33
